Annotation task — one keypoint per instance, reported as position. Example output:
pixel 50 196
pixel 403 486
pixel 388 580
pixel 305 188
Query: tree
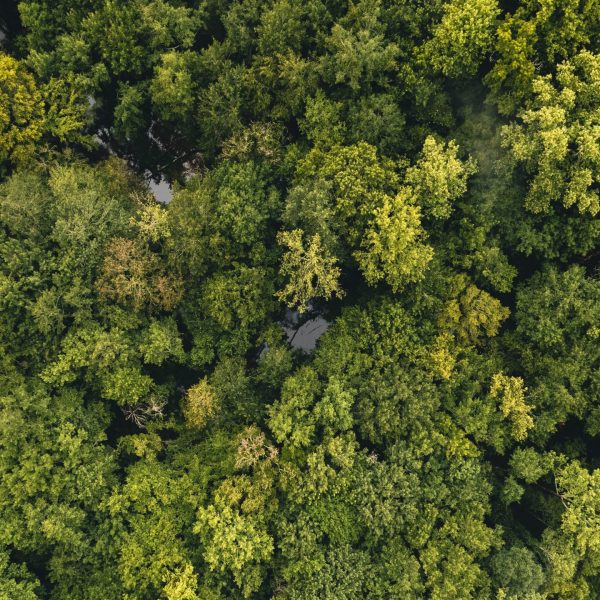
pixel 311 272
pixel 359 54
pixel 172 88
pixel 152 513
pixel 556 138
pixel 30 113
pixel 134 276
pixel 555 342
pixel 536 37
pixel 16 581
pixel 439 177
pixel 350 187
pixel 570 541
pixel 393 248
pixel 517 571
pixel 511 392
pixel 21 111
pixel 200 404
pixel 222 218
pixel 418 501
pixel 233 530
pixel 471 313
pixel 235 544
pixel 55 228
pixel 162 342
pixel 462 38
pixel 56 471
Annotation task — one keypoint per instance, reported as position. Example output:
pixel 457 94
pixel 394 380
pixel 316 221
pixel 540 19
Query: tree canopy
pixel 353 353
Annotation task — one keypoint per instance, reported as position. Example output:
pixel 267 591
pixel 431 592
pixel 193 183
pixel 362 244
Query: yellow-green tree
pixel 22 114
pixel 311 272
pixel 556 138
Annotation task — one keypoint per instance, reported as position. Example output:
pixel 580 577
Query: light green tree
pixel 21 111
pixel 393 247
pixel 439 177
pixel 462 38
pixel 556 138
pixel 310 271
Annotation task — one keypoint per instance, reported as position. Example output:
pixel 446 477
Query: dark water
pixel 303 334
pixel 163 192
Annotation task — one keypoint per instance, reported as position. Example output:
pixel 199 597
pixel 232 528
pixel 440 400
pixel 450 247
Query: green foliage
pixel 312 273
pixel 357 178
pixel 236 544
pixel 511 394
pixel 129 112
pixel 134 277
pixel 172 88
pixel 151 515
pixel 200 404
pixel 536 37
pixel 56 470
pixel 353 189
pixel 393 243
pixel 30 113
pixel 472 312
pixel 162 342
pixel 16 581
pixel 359 55
pixel 233 531
pixel 556 138
pixel 167 430
pixel 462 38
pixel 555 341
pixel 439 177
pixel 517 572
pixel 21 110
pixel 221 218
